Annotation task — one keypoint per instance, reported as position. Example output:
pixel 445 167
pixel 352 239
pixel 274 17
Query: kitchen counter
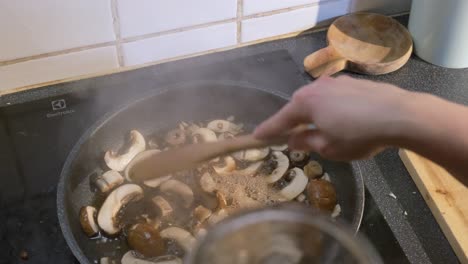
pixel 408 216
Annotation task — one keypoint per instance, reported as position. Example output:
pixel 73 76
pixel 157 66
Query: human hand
pixel 354 118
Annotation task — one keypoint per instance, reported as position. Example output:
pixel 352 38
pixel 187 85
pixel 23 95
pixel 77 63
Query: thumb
pixel 308 141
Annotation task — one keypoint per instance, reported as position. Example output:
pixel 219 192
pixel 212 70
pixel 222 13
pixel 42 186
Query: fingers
pixel 312 140
pixel 287 118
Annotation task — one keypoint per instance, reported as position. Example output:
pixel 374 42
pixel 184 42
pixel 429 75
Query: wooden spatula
pixel 190 156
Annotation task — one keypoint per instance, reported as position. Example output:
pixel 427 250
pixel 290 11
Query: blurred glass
pixel 287 234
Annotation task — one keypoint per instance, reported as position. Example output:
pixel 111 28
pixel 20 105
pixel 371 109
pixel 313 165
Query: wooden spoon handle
pixel 324 62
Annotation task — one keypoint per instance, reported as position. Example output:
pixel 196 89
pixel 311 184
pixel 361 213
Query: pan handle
pixel 325 61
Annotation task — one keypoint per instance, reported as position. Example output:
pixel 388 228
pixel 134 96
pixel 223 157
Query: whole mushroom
pixel 313 169
pixel 322 195
pixel 145 239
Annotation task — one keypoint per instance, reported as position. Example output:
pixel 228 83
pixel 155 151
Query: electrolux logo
pixel 58 105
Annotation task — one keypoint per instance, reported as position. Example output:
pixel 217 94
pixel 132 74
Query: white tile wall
pixel 58 67
pixel 178 44
pixel 143 31
pixel 257 6
pixel 30 27
pixel 139 17
pixel 296 20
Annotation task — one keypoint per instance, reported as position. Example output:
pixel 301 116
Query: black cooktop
pixel 39 127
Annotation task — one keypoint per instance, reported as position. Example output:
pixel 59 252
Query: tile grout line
pixel 288 9
pixel 240 10
pixel 118 39
pixel 56 53
pixel 177 30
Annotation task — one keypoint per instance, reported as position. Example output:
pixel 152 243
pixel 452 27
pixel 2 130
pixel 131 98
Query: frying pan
pixel 164 109
pixel 363 42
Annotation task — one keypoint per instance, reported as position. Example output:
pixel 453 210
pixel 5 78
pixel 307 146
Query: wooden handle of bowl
pixel 324 62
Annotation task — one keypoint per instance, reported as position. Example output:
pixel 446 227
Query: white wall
pixel 50 40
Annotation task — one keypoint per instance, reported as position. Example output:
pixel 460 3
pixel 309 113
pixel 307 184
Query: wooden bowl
pixel 363 43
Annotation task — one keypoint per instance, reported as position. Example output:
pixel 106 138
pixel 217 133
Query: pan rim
pixel 63 216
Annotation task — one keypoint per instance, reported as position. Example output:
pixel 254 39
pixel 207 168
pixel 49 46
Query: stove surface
pixel 38 128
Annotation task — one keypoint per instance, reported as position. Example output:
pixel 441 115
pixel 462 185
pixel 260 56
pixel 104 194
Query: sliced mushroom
pixel 88 220
pixel 222 202
pixel 204 135
pixel 119 162
pixel 178 189
pixel 207 183
pixel 297 184
pixel 175 137
pixel 138 158
pixel 146 240
pixel 313 169
pixel 252 154
pixel 298 157
pixel 163 205
pixel 281 163
pixel 229 165
pixel 107 217
pixel 336 211
pixel 107 260
pixel 252 169
pixel 225 135
pixel 131 258
pixel 223 126
pixel 109 180
pixel 154 183
pixel 181 236
pixel 201 213
pixel 217 216
pixel 279 147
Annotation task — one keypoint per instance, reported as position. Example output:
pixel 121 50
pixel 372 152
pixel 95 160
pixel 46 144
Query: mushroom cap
pixel 313 169
pixel 130 258
pixel 107 217
pixel 296 186
pixel 145 239
pixel 181 236
pixel 322 195
pixel 223 126
pixel 282 166
pixel 119 162
pixel 179 189
pixel 279 147
pixel 175 137
pixel 88 220
pixel 205 134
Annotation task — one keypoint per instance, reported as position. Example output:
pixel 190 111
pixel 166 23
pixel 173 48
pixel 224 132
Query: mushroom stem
pixel 181 236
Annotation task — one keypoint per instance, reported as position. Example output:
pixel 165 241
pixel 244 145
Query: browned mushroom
pixel 145 239
pixel 313 169
pixel 298 158
pixel 322 195
pixel 175 137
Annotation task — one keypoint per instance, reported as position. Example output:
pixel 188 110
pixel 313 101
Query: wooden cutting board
pixel 446 197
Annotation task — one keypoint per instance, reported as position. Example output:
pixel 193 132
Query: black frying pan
pixel 165 109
